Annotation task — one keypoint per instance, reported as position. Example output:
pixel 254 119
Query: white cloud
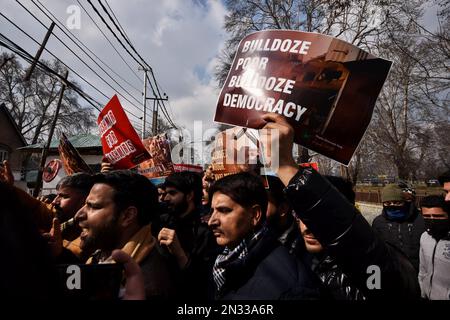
pixel 179 39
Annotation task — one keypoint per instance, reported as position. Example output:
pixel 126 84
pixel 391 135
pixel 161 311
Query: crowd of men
pixel 196 239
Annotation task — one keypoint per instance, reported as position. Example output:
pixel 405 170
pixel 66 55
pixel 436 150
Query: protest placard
pixel 160 164
pixel 122 147
pixel 71 159
pixel 326 88
pixel 236 150
pixel 180 167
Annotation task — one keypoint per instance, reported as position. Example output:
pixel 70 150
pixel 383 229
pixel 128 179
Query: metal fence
pixel 374 196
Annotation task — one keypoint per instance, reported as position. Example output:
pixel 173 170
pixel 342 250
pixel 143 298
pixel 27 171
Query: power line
pixel 95 63
pixel 117 20
pixel 71 36
pixel 90 58
pixel 24 32
pixel 107 83
pixel 29 58
pixel 163 108
pixel 114 34
pixel 120 31
pixel 170 108
pixel 43 66
pixel 12 46
pixel 70 49
pixel 132 47
pixel 109 41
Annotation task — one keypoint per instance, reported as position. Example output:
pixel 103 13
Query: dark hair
pixel 132 189
pixel 276 189
pixel 81 181
pixel 160 186
pixel 186 182
pixel 344 186
pixel 433 201
pixel 445 177
pixel 244 188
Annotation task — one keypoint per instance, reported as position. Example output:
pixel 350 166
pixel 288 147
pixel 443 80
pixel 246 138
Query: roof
pixel 82 141
pixel 13 123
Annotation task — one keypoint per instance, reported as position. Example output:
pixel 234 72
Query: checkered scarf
pixel 228 256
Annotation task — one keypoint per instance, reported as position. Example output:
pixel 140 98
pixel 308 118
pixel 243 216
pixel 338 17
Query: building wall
pixel 10 140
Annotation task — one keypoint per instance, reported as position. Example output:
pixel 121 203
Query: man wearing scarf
pixel 253 264
pixel 434 272
pixel 400 223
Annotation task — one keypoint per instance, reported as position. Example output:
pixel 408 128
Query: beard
pixel 178 209
pixel 103 237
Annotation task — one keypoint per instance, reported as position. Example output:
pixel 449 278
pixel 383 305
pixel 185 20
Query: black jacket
pixel 199 244
pixel 404 235
pixel 349 239
pixel 269 272
pixel 336 284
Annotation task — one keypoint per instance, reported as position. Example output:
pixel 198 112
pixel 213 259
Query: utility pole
pixel 155 106
pixel 144 102
pixel 155 113
pixel 49 140
pixel 39 52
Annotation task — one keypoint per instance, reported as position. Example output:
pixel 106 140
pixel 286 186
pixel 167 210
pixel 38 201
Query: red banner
pixel 121 145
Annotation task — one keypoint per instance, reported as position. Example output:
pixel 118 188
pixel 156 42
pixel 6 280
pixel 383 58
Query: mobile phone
pixel 90 281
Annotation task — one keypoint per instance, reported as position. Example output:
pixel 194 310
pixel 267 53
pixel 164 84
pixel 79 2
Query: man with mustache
pixel 117 215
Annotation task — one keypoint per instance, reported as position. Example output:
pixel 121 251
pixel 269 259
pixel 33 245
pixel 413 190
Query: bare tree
pixel 415 97
pixel 32 103
pixel 356 21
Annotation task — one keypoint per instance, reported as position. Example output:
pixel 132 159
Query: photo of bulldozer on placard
pixel 325 87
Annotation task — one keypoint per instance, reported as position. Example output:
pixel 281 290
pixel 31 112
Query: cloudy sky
pixel 180 39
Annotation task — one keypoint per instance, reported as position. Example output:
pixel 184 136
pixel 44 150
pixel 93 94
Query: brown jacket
pixel 142 248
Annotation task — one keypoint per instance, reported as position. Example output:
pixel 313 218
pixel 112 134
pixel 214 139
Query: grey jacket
pixel 434 270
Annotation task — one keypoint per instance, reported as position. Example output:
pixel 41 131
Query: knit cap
pixel 391 192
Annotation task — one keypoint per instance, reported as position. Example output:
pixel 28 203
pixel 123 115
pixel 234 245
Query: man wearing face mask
pixel 400 223
pixel 434 272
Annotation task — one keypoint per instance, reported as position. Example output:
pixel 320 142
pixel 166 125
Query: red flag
pixel 121 145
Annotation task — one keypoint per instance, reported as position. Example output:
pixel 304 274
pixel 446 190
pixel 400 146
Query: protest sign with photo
pixel 122 147
pixel 160 164
pixel 180 167
pixel 326 88
pixel 71 159
pixel 236 150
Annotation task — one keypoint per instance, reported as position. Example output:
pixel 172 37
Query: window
pixel 3 155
